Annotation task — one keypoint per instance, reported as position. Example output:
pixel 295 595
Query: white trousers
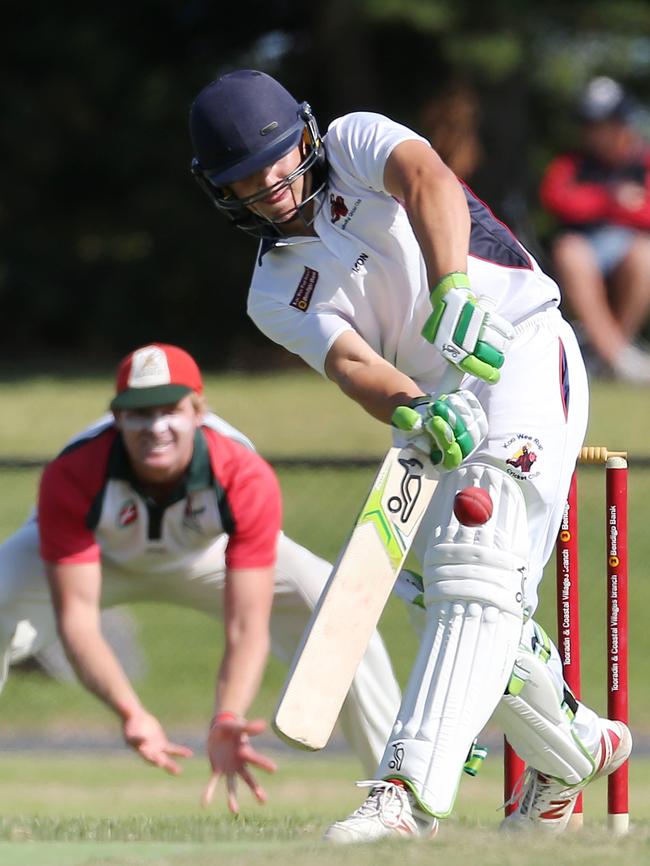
pixel 525 411
pixel 537 419
pixel 27 622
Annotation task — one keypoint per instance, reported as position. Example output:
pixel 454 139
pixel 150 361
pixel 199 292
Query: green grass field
pixel 48 800
pixel 87 810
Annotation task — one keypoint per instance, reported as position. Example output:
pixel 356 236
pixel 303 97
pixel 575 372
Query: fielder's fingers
pixel 177 749
pixel 258 791
pixel 208 793
pixel 255 727
pixel 160 759
pixel 169 766
pixel 249 755
pixel 231 785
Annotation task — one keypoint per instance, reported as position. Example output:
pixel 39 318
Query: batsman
pixel 380 268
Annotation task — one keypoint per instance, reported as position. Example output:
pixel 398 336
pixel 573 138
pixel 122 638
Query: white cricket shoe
pixel 547 804
pixel 389 810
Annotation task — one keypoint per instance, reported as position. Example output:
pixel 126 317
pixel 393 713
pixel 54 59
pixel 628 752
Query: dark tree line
pixel 105 241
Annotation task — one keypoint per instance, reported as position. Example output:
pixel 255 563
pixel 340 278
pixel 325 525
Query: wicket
pixel 568 623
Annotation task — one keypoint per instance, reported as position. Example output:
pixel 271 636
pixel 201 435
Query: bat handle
pixel 450 380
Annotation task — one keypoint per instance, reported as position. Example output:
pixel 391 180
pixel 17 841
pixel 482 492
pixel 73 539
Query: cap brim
pixel 256 162
pixel 144 398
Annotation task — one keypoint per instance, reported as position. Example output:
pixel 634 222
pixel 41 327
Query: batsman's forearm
pixel 440 219
pixel 99 670
pixel 378 387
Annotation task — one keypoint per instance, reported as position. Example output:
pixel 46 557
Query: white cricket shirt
pixel 365 271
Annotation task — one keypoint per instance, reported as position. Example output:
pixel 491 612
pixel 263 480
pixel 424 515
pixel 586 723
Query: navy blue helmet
pixel 241 123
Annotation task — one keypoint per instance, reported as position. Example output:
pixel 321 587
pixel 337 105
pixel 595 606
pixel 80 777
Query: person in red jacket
pixel 600 196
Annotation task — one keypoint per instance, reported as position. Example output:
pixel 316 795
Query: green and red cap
pixel 155 375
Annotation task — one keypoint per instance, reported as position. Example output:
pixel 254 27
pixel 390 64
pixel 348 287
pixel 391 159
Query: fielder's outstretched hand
pixel 230 751
pixel 145 734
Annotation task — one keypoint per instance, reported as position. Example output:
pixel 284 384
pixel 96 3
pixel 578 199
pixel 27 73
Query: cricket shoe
pixel 389 811
pixel 547 804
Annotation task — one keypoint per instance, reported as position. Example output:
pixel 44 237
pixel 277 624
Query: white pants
pixel 536 426
pixel 525 411
pixel 372 703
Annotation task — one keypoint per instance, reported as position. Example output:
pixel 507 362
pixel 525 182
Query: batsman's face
pixel 282 200
pixel 160 439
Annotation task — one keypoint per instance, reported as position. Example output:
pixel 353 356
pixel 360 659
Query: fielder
pixel 163 501
pixel 379 268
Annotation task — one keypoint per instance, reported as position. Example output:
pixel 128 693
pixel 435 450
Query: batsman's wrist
pixel 452 280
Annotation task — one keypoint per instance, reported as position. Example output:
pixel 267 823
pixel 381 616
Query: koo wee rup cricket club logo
pixel 338 207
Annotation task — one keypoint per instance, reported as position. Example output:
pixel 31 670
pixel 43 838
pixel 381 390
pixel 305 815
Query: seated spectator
pixel 600 196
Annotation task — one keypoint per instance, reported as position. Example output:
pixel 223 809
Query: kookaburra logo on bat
pixel 410 487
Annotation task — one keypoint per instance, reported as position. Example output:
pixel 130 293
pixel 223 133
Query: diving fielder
pixel 164 501
pixel 379 268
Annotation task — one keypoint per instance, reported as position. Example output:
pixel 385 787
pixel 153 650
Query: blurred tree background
pixel 106 242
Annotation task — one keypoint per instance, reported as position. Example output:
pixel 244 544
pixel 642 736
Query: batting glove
pixel 448 429
pixel 464 331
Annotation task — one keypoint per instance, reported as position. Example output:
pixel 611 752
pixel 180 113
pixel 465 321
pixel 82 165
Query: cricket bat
pixel 353 599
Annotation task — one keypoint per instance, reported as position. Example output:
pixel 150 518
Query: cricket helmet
pixel 241 123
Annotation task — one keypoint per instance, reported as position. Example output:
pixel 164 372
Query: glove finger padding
pixel 465 330
pixel 408 429
pixel 449 428
pixel 457 424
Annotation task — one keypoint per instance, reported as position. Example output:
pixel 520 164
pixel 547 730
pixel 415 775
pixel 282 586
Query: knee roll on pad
pixel 537 720
pixel 486 563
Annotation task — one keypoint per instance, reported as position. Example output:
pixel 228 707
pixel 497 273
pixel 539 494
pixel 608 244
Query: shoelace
pixel 538 788
pixel 517 790
pixel 383 798
pixel 545 794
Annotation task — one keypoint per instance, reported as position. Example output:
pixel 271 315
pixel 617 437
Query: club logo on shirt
pixel 523 459
pixel 340 210
pixel 127 514
pixel 192 515
pixel 305 290
pixel 338 207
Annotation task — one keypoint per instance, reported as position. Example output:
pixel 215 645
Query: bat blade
pixel 353 599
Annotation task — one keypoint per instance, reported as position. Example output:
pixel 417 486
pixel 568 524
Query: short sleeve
pixel 62 511
pixel 358 146
pixel 255 503
pixel 309 335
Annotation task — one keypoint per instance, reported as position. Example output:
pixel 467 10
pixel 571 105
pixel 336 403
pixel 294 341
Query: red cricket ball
pixel 473 506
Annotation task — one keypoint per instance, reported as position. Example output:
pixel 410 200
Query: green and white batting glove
pixel 448 428
pixel 464 331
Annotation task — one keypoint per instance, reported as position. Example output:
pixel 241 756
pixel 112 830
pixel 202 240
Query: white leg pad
pixel 473 593
pixel 538 723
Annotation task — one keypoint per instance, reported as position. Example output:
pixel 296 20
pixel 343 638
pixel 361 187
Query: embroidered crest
pixel 338 207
